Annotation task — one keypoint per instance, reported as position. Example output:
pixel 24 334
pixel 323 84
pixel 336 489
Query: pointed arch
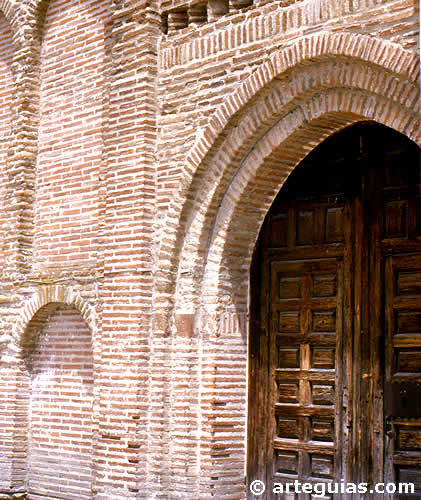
pixel 384 72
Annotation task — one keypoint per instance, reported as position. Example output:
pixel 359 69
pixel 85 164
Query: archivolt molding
pixel 237 219
pixel 385 73
pixel 248 198
pixel 286 97
pixel 388 55
pixel 51 294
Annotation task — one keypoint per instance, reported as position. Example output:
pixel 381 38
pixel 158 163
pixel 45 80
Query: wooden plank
pixel 375 323
pixel 358 460
pixel 303 411
pixel 407 460
pixel 328 339
pixel 399 246
pixel 285 375
pixel 344 457
pixel 402 340
pixel 326 252
pixel 309 447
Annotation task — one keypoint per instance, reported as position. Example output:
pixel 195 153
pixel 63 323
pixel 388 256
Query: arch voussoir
pixel 353 98
pixel 322 116
pixel 48 295
pixel 398 71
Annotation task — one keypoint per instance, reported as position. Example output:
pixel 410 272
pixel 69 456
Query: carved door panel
pixel 306 332
pixel 403 370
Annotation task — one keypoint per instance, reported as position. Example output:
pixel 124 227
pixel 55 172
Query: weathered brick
pixel 138 167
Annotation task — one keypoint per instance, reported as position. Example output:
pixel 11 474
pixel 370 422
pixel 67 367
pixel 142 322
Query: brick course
pixel 142 144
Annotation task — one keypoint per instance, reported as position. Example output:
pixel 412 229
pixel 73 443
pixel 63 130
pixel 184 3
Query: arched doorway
pixel 335 335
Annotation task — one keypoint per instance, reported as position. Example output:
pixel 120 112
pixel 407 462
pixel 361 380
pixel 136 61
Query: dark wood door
pixel 336 319
pixel 398 245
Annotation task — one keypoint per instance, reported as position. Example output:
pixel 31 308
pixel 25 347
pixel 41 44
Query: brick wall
pixel 6 90
pixel 7 374
pixel 72 99
pixel 157 157
pixel 6 426
pixel 60 440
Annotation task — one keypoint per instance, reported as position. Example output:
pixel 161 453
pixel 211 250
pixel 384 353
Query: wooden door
pixel 398 209
pixel 336 319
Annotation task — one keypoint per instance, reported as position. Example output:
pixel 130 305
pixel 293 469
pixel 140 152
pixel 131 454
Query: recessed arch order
pixel 291 103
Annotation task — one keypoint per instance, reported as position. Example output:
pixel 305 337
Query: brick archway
pixel 62 425
pixel 231 179
pixel 332 94
pixel 250 194
pixel 382 68
pixel 220 314
pixel 50 294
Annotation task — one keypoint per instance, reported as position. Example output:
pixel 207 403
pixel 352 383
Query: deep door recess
pixel 335 334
